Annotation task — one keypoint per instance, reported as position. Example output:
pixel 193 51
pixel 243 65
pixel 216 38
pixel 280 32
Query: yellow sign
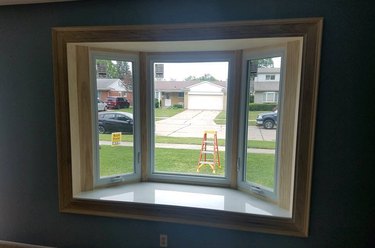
pixel 116 139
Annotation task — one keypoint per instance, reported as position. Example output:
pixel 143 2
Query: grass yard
pixel 160 113
pixel 184 161
pixel 119 160
pixel 163 113
pixel 261 169
pixel 115 160
pixel 221 118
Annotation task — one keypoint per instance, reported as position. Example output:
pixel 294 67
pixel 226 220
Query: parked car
pixel 109 122
pixel 117 102
pixel 102 106
pixel 267 120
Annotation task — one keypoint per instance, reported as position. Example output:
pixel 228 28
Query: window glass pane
pixel 190 118
pixel 262 122
pixel 115 122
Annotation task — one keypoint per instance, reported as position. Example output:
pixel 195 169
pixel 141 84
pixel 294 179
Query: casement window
pixel 270 77
pixel 270 97
pixel 134 161
pixel 126 68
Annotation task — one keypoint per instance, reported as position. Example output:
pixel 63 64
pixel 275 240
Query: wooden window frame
pixel 310 29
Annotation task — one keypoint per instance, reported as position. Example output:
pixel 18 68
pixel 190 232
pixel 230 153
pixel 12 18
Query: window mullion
pixel 145 116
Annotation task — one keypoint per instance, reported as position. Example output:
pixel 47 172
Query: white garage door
pixel 205 102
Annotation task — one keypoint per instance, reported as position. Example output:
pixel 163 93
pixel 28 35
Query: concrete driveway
pixel 189 123
pixel 192 123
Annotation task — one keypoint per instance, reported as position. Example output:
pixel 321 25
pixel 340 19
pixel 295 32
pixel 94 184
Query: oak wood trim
pixel 84 104
pixel 306 125
pixel 289 123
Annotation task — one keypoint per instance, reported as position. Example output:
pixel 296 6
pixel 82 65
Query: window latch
pixel 257 190
pixel 116 179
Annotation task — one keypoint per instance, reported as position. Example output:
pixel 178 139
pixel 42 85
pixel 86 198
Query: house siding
pixel 175 99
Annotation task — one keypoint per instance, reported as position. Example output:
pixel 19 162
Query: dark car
pixel 117 102
pixel 267 120
pixel 115 122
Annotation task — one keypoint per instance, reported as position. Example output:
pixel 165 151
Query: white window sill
pixel 224 199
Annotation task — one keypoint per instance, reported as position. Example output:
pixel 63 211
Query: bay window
pixel 185 147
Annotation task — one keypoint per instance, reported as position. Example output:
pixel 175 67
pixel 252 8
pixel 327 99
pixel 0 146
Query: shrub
pixel 251 99
pixel 157 103
pixel 177 106
pixel 262 106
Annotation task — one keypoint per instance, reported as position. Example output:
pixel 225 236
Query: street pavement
pixel 193 123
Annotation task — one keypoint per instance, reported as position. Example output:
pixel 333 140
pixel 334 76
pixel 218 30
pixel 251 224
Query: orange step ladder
pixel 209 146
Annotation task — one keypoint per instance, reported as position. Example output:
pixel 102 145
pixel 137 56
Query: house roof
pixel 108 83
pixel 266 86
pixel 178 86
pixel 268 70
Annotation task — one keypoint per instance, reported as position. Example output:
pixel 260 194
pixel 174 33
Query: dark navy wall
pixel 343 165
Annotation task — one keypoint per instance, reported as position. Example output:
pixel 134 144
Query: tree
pixel 265 63
pixel 125 75
pixel 120 70
pixel 109 68
pixel 205 77
pixel 191 78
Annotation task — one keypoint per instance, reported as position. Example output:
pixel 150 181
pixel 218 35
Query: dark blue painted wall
pixel 343 165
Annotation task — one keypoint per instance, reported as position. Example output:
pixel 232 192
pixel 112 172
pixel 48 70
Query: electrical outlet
pixel 163 240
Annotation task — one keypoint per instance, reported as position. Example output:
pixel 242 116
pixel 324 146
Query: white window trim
pixel 205 197
pixel 185 178
pixel 120 56
pixel 245 87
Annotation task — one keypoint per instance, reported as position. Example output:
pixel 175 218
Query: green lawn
pixel 191 141
pixel 119 159
pixel 115 160
pixel 163 113
pixel 220 118
pixel 260 169
pixel 184 161
pixel 160 113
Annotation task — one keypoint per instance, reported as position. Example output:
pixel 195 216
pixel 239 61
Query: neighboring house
pixel 170 93
pixel 192 94
pixel 112 87
pixel 266 85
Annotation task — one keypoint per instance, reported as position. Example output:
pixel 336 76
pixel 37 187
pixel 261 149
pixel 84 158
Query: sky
pixel 219 70
pixel 180 71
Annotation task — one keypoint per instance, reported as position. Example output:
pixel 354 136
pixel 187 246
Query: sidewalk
pixel 190 147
